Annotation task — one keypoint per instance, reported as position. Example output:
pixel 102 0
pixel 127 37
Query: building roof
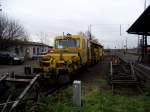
pixel 142 25
pixel 36 44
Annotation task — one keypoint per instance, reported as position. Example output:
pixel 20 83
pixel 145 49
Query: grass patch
pixel 96 101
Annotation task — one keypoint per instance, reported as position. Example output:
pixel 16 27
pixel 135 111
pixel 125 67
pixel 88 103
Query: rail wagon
pixel 70 53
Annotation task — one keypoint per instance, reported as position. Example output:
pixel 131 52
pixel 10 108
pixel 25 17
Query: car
pixel 10 58
pixel 38 56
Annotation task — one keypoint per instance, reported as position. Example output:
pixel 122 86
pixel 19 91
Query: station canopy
pixel 142 25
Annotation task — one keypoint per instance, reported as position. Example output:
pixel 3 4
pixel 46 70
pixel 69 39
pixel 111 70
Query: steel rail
pixel 24 92
pixel 3 77
pixel 7 102
pixel 142 70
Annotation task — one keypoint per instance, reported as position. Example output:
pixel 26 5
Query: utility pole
pixel 90 32
pixel 120 29
pixel 126 43
pixel 145 5
pixel 0 6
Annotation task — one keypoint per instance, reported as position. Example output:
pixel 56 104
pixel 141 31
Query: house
pixel 29 49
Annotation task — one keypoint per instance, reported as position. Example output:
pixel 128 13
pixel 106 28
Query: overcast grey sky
pixel 56 16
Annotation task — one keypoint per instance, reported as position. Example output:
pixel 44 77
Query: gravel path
pixel 95 77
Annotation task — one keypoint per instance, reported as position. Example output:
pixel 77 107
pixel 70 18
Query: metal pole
pixel 132 69
pixel 120 29
pixel 145 44
pixel 111 72
pixel 145 5
pixel 77 93
pixel 138 44
pixel 0 6
pixel 126 43
pixel 90 30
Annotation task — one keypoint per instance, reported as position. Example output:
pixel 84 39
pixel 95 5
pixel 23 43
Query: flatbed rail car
pixel 70 53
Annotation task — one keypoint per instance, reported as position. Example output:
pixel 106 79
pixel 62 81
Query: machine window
pixel 68 43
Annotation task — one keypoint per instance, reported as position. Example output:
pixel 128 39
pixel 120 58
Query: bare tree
pixel 43 37
pixel 95 40
pixel 81 33
pixel 11 32
pixel 87 34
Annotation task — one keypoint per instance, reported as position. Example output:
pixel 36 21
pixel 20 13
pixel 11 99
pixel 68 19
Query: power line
pixel 121 28
pixel 117 24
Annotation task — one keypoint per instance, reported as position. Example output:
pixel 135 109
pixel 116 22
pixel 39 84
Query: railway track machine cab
pixel 71 52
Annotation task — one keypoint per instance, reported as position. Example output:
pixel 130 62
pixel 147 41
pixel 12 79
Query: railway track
pixel 123 75
pixel 143 72
pixel 13 90
pixel 17 90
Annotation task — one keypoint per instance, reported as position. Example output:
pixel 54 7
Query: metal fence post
pixel 77 93
pixel 111 72
pixel 27 70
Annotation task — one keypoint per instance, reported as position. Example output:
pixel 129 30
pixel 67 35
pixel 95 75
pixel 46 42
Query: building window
pixel 21 49
pixel 38 50
pixel 42 49
pixel 16 50
pixel 33 50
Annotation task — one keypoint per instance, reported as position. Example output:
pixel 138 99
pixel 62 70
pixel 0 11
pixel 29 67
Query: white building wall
pixel 27 50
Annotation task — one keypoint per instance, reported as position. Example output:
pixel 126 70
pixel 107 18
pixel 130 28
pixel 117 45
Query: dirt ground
pixel 95 77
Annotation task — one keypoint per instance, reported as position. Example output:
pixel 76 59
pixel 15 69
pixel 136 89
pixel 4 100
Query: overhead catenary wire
pixel 118 29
